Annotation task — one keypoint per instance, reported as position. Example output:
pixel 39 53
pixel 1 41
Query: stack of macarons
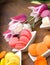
pixel 22 40
pixel 10 59
pixel 38 49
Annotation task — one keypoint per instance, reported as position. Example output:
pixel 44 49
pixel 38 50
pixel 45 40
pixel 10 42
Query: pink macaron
pixel 19 45
pixel 26 32
pixel 13 41
pixel 24 39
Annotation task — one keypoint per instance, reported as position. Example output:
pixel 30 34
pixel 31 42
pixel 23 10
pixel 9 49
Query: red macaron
pixel 13 41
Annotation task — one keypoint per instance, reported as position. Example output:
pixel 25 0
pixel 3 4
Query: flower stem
pixel 30 19
pixel 34 23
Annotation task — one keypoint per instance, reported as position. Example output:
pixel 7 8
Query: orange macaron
pixel 47 40
pixel 41 48
pixel 32 49
pixel 37 49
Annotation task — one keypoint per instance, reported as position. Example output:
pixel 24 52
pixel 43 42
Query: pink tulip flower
pixel 7 35
pixel 20 18
pixel 8 31
pixel 45 13
pixel 38 9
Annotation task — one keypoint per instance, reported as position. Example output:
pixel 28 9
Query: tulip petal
pixel 19 18
pixel 7 37
pixel 8 31
pixel 38 9
pixel 45 13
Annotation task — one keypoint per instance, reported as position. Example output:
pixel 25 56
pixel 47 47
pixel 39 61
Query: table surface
pixel 12 8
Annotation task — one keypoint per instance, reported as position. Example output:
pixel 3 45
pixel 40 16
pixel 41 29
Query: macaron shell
pixel 41 48
pixel 47 40
pixel 19 45
pixel 15 59
pixel 8 55
pixel 13 41
pixel 24 39
pixel 26 33
pixel 32 49
pixel 20 42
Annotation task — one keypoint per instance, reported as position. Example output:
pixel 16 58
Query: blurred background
pixel 2 1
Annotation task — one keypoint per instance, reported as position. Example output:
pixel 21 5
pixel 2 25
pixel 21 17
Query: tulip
pixel 27 26
pixel 46 21
pixel 16 27
pixel 8 31
pixel 20 18
pixel 38 9
pixel 7 35
pixel 45 13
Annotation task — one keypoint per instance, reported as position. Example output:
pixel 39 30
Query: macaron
pixel 25 32
pixel 10 58
pixel 24 39
pixel 19 45
pixel 32 49
pixel 47 40
pixel 13 41
pixel 41 48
